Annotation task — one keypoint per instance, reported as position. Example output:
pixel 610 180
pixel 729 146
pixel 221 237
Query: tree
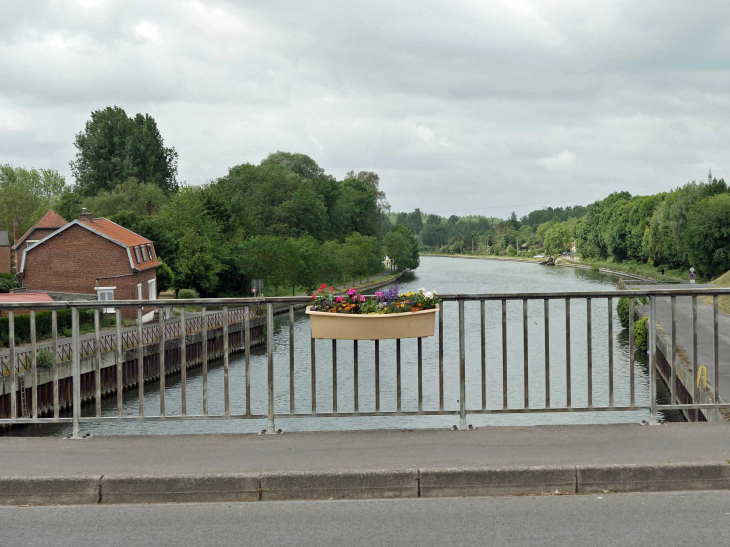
pixel 165 277
pixel 304 213
pixel 114 148
pixel 130 196
pixel 415 221
pixel 707 235
pixel 556 238
pixel 27 194
pixel 309 266
pixel 401 246
pixel 301 164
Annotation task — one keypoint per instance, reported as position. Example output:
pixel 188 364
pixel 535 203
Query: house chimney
pixel 16 230
pixel 84 215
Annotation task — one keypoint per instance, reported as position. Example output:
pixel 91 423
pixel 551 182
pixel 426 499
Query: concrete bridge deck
pixel 494 460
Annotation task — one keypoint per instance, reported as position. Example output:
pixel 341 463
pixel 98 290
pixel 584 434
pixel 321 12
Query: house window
pixel 144 254
pixel 104 294
pixel 152 285
pixel 139 291
pixel 136 253
pixel 149 251
pixel 31 242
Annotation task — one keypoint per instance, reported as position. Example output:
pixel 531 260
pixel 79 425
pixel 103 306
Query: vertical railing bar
pixel 632 365
pixel 355 376
pixel 441 358
pixel 462 367
pixel 54 361
pixel 334 376
pixel 653 372
pixel 568 381
pixel 291 358
pixel 526 373
pixel 120 365
pixel 420 374
pixel 97 363
pixel 34 365
pixel 204 353
pixel 11 366
pixel 483 330
pixel 377 376
pixel 226 385
pixel 183 361
pixel 313 349
pixel 271 427
pixel 546 304
pixel 716 346
pixel 161 350
pixel 673 380
pixel 695 359
pixel 589 350
pixel 140 363
pixel 75 374
pixel 504 354
pixel 247 355
pixel 610 352
pixel 397 368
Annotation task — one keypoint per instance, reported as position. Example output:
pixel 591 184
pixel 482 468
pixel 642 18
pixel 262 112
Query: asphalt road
pixel 666 520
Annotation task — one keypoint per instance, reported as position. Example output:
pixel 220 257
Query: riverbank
pixel 602 267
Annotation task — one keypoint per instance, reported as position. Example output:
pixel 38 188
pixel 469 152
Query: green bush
pixel 641 335
pixel 43 359
pixel 43 324
pixel 187 293
pixel 623 310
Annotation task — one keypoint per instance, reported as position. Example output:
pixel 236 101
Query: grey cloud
pixel 464 106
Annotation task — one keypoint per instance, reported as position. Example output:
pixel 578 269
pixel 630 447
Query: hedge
pixel 42 324
pixel 640 333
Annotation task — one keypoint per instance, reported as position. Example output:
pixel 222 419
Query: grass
pixel 636 268
pixel 723 302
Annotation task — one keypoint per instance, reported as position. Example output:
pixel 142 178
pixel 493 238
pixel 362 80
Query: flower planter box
pixel 386 326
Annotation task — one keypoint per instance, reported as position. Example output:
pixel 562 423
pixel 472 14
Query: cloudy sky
pixel 461 106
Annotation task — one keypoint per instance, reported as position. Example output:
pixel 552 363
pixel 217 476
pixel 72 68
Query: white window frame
pixel 136 253
pixel 139 291
pixel 144 254
pixel 149 251
pixel 152 289
pixel 31 242
pixel 106 291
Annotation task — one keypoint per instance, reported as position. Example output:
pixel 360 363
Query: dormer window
pixel 144 254
pixel 136 254
pixel 149 251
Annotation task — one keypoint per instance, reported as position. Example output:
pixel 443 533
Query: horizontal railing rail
pixel 503 376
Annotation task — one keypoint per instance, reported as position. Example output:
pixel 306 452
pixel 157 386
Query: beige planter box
pixel 386 326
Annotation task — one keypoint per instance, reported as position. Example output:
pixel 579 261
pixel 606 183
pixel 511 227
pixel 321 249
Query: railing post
pixel 120 364
pixel 11 366
pixel 652 364
pixel 462 368
pixel 270 354
pixel 76 373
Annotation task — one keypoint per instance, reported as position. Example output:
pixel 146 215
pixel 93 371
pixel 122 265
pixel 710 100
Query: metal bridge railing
pixel 162 332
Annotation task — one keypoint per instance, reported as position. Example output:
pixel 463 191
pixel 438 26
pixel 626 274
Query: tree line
pixel 284 220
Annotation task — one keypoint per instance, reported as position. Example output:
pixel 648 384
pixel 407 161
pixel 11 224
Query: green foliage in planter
pixel 641 335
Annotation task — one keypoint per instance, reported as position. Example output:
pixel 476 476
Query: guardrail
pixel 161 333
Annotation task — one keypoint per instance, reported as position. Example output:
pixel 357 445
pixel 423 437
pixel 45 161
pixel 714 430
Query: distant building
pixel 50 222
pixel 93 256
pixel 8 298
pixel 5 266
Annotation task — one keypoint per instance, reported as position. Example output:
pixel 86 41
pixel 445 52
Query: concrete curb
pixel 369 484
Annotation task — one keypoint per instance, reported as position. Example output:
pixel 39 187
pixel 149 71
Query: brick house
pixel 93 256
pixel 5 266
pixel 50 222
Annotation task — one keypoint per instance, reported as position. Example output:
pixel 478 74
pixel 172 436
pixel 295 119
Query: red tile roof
pixel 125 237
pixel 25 297
pixel 50 220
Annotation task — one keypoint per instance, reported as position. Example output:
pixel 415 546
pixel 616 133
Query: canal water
pixel 447 276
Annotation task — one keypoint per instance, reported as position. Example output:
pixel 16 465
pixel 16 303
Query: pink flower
pixel 338 299
pixel 313 297
pixel 352 292
pixel 362 299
